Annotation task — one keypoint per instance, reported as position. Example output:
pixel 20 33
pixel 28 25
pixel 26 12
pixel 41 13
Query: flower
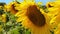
pixel 36 22
pixel 11 7
pixel 53 9
pixel 4 18
pixel 34 18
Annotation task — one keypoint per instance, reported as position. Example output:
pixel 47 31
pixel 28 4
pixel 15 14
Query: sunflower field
pixel 29 17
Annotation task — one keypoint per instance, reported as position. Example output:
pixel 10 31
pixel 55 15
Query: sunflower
pixel 11 8
pixel 55 12
pixel 4 18
pixel 51 7
pixel 34 18
pixel 2 14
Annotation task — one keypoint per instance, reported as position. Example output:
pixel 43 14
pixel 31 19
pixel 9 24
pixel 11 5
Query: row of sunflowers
pixel 29 17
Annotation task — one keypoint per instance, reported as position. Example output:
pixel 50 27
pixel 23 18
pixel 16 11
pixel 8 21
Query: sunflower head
pixel 33 13
pixel 35 16
pixel 11 7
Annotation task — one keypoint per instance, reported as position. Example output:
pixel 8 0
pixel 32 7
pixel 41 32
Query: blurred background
pixel 43 1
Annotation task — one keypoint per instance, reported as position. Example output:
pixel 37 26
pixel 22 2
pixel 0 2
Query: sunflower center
pixel 35 16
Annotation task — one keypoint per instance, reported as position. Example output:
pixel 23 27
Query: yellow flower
pixel 36 21
pixel 11 7
pixel 53 9
pixel 54 13
pixel 34 18
pixel 4 18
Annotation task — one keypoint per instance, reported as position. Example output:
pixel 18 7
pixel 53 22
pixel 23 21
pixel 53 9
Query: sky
pixel 7 1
